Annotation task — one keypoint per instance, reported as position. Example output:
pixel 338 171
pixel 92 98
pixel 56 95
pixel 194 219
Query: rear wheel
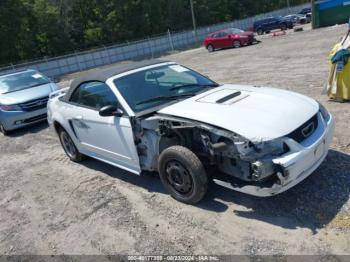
pixel 236 44
pixel 183 174
pixel 259 31
pixel 69 147
pixel 284 27
pixel 210 48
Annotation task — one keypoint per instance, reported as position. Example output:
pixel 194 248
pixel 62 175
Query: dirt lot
pixel 49 205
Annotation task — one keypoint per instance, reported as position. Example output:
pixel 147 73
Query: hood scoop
pixel 224 96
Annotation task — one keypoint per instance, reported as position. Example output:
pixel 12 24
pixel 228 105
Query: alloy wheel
pixel 236 44
pixel 68 145
pixel 3 130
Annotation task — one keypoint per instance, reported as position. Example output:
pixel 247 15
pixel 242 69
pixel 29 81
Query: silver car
pixel 23 99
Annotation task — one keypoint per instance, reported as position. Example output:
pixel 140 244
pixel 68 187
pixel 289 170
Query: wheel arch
pixel 58 122
pixel 57 125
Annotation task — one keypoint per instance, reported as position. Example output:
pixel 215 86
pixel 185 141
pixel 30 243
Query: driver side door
pixel 109 139
pixel 223 40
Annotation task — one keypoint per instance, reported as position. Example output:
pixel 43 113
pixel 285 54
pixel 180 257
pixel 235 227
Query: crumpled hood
pixel 27 94
pixel 256 113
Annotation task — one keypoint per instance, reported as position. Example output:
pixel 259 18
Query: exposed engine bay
pixel 230 153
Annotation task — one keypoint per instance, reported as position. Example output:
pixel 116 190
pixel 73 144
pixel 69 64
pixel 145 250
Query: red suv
pixel 231 37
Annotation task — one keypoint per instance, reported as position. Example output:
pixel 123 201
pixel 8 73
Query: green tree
pixel 35 28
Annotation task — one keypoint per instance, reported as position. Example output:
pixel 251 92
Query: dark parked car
pixel 305 11
pixel 267 24
pixel 231 37
pixel 296 19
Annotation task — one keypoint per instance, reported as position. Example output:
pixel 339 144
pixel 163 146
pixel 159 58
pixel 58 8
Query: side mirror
pixel 111 111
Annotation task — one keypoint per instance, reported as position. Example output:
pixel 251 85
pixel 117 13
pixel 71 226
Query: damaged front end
pixel 261 168
pixel 283 162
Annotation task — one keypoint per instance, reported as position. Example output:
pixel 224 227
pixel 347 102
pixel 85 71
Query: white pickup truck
pixel 161 116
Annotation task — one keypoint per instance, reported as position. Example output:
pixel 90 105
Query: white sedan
pixel 161 116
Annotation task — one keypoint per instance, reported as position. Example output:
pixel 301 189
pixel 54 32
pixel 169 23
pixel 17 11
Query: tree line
pixel 32 29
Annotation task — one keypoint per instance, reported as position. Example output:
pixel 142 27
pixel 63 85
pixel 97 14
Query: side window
pixel 222 34
pixel 94 95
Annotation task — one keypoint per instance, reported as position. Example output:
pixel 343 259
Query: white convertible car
pixel 161 116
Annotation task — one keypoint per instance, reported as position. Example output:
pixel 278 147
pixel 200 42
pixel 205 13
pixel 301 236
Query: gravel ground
pixel 49 205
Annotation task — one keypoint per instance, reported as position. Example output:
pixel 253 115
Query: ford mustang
pixel 164 117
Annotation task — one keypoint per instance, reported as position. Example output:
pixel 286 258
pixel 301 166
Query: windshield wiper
pixel 160 98
pixel 192 85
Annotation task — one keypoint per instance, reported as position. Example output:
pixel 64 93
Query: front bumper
pixel 12 120
pixel 305 157
pixel 300 162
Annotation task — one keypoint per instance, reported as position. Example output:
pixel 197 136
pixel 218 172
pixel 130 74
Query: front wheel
pixel 236 44
pixel 3 130
pixel 284 27
pixel 183 174
pixel 69 147
pixel 259 31
pixel 210 48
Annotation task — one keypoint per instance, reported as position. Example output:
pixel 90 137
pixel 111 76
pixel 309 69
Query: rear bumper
pixel 302 160
pixel 18 119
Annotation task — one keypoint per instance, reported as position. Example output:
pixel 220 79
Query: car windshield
pixel 20 81
pixel 159 85
pixel 235 31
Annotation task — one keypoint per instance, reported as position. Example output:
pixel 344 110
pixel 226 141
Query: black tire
pixel 236 44
pixel 210 48
pixel 3 130
pixel 69 147
pixel 182 174
pixel 283 27
pixel 259 31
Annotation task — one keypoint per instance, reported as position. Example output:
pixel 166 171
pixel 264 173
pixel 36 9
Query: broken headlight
pixel 273 147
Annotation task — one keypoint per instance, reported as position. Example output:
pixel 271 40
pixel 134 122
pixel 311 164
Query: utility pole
pixel 194 21
pixel 313 14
